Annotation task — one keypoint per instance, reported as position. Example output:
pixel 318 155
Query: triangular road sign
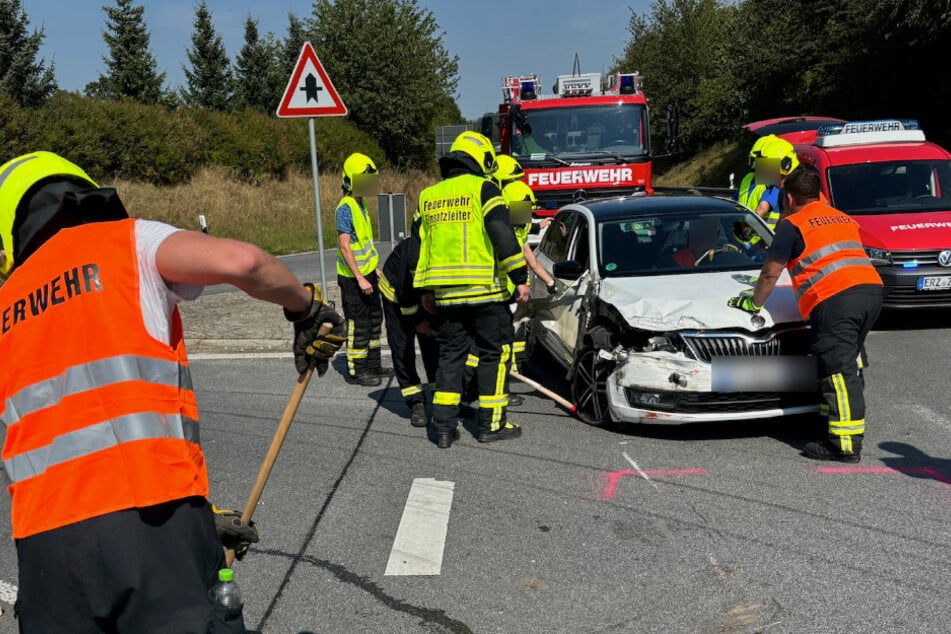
pixel 310 93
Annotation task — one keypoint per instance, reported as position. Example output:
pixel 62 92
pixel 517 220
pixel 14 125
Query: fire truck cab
pixel 897 185
pixel 589 139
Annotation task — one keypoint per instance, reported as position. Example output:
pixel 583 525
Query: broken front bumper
pixel 667 387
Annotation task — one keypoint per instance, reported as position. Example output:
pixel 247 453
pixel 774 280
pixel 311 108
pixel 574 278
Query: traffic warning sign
pixel 310 93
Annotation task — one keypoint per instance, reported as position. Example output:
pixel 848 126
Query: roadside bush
pixel 241 143
pixel 16 133
pixel 120 138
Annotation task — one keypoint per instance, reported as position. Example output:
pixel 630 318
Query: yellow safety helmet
pixel 19 223
pixel 521 202
pixel 756 150
pixel 478 148
pixel 508 170
pixel 360 175
pixel 782 152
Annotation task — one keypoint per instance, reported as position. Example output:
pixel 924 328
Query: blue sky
pixel 517 36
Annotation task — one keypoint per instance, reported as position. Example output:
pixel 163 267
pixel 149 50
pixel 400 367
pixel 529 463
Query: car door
pixel 568 238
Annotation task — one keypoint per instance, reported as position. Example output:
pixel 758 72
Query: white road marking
pixel 421 536
pixel 8 593
pixel 638 469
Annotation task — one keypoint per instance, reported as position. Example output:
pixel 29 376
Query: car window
pixel 684 242
pixel 555 242
pixel 580 243
pixel 889 187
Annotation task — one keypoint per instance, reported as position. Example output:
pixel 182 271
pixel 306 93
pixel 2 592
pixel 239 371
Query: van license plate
pixel 934 283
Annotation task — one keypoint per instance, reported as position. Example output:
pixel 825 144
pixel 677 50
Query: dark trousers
pixel 401 336
pixel 137 570
pixel 485 329
pixel 839 326
pixel 364 315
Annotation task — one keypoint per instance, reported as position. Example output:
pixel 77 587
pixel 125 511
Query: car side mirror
pixel 568 270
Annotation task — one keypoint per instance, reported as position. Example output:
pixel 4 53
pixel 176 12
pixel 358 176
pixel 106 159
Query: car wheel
pixel 589 387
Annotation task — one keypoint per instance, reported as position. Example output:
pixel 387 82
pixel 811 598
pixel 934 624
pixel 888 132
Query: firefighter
pixel 777 160
pixel 521 202
pixel 751 189
pixel 839 293
pixel 109 488
pixel 468 253
pixel 358 273
pixel 406 324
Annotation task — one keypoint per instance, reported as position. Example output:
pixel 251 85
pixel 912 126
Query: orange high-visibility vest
pixel 833 259
pixel 100 416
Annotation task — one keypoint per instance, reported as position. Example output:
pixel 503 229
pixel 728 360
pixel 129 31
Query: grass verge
pixel 277 214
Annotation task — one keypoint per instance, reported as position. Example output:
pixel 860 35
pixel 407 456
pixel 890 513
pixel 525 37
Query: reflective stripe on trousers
pixel 89 440
pixel 95 374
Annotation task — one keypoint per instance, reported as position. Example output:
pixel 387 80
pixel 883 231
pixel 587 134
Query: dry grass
pixel 710 167
pixel 277 215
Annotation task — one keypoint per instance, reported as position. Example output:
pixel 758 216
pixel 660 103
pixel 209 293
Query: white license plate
pixel 934 283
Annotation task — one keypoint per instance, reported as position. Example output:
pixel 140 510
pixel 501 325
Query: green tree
pixel 22 77
pixel 388 60
pixel 682 49
pixel 293 41
pixel 254 71
pixel 209 79
pixel 131 69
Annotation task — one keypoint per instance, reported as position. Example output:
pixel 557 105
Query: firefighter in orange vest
pixel 109 489
pixel 839 293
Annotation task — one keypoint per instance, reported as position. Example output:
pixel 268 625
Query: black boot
pixel 825 450
pixel 382 372
pixel 444 440
pixel 515 400
pixel 418 417
pixel 366 379
pixel 505 432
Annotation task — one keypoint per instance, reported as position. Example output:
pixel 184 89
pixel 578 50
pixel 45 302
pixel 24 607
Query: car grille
pixel 922 258
pixel 910 296
pixel 703 346
pixel 726 402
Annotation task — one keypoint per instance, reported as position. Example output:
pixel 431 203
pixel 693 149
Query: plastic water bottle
pixel 225 593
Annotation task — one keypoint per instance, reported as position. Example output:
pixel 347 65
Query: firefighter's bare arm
pixel 767 280
pixel 538 268
pixel 191 257
pixel 762 209
pixel 343 239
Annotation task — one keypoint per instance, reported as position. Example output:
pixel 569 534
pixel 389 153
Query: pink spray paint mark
pixel 928 472
pixel 614 476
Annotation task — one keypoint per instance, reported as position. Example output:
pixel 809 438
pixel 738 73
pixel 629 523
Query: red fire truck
pixel 589 139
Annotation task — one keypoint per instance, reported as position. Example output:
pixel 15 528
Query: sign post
pixel 310 93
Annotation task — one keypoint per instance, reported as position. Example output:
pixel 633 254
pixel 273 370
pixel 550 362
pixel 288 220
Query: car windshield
pixel 673 243
pixel 891 187
pixel 589 133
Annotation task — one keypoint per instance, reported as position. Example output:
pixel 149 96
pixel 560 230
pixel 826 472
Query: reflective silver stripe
pixel 12 166
pixel 825 251
pixel 463 267
pixel 826 270
pixel 99 436
pixel 88 376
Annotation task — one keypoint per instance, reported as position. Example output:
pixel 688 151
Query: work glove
pixel 308 342
pixel 551 288
pixel 744 303
pixel 234 533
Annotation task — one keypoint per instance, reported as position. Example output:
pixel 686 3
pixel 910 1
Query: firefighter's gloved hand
pixel 308 342
pixel 551 288
pixel 745 304
pixel 234 533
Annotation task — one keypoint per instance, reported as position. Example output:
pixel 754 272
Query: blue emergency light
pixel 627 85
pixel 527 89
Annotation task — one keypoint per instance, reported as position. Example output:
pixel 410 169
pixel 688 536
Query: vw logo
pixel 581 195
pixel 944 258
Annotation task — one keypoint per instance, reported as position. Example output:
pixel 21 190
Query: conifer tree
pixel 131 69
pixel 209 78
pixel 24 78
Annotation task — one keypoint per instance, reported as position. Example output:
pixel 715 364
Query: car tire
pixel 589 387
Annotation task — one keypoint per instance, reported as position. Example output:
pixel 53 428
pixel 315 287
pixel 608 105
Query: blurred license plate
pixel 765 374
pixel 934 283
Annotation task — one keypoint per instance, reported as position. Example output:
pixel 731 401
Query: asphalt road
pixel 707 529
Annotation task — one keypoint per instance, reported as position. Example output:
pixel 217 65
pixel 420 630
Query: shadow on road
pixel 898 320
pixel 913 462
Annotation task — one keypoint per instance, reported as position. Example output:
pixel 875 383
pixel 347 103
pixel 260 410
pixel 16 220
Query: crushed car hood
pixel 686 301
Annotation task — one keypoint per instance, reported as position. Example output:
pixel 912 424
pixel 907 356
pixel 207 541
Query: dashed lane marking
pixel 421 537
pixel 8 593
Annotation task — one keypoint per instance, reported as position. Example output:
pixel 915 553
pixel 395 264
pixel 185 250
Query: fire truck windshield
pixel 889 187
pixel 590 133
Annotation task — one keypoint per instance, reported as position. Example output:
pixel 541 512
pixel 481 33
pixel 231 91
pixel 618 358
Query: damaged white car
pixel 640 317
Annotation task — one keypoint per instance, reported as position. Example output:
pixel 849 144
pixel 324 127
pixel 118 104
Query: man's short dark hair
pixel 803 184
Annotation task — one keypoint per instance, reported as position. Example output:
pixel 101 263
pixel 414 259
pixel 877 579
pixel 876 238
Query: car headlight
pixel 878 257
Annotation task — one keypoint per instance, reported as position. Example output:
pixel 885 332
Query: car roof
pixel 620 208
pixel 786 125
